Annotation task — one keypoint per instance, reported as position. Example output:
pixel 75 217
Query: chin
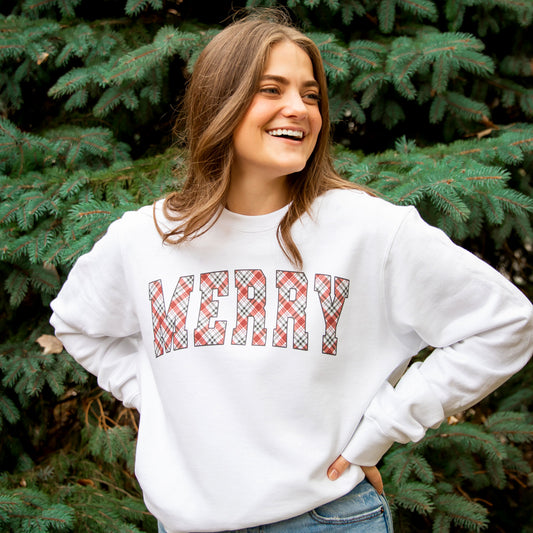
pixel 292 169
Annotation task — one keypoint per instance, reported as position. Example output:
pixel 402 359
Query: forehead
pixel 288 57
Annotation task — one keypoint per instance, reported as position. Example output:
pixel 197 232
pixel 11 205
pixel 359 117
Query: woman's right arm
pixel 94 318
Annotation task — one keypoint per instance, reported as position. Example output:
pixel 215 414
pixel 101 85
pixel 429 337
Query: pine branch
pixel 333 56
pixel 168 41
pixel 386 15
pixel 464 106
pixel 365 55
pixel 462 512
pixel 18 149
pixel 29 511
pixel 404 462
pixel 421 8
pixel 112 444
pixel 8 412
pixel 115 96
pixel 522 9
pixel 511 425
pixel 79 147
pixel 351 8
pixel 516 66
pixel 135 7
pixel 16 285
pixel 413 496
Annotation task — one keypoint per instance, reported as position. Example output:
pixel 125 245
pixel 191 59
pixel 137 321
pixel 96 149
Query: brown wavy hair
pixel 225 78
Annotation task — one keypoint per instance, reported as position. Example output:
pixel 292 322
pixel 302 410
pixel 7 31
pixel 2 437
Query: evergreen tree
pixel 432 106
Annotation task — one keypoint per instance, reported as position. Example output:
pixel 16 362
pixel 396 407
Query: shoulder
pixel 145 217
pixel 352 206
pixel 133 225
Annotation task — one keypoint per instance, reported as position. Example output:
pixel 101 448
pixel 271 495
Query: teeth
pixel 291 133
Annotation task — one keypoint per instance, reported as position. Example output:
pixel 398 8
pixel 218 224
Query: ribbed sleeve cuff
pixel 134 402
pixel 368 444
pixel 396 414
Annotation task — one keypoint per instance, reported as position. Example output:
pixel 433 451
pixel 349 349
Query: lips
pixel 287 133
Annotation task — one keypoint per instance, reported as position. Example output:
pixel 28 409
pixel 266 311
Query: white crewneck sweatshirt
pixel 251 376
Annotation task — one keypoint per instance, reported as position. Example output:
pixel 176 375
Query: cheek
pixel 316 118
pixel 316 124
pixel 319 124
pixel 259 112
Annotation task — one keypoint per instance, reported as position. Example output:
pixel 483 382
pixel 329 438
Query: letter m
pixel 169 326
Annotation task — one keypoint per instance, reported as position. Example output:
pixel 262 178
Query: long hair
pixel 225 78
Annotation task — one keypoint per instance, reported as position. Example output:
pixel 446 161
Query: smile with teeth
pixel 291 134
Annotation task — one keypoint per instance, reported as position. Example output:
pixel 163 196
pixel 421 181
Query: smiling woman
pixel 263 320
pixel 259 66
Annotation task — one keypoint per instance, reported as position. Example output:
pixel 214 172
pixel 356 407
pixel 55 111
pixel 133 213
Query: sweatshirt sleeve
pixel 479 324
pixel 95 320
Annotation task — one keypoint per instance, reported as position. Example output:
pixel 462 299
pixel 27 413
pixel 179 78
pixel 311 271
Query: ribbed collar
pixel 255 223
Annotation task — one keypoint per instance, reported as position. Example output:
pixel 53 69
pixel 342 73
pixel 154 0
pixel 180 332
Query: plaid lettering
pixel 204 335
pixel 292 303
pixel 247 281
pixel 169 327
pixel 331 308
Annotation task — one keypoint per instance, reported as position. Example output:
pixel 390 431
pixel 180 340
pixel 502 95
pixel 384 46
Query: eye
pixel 313 97
pixel 269 90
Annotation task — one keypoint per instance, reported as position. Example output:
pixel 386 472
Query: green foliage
pixel 88 486
pixel 30 511
pixel 432 105
pixel 461 187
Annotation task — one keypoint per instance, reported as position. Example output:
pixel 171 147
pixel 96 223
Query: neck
pixel 257 197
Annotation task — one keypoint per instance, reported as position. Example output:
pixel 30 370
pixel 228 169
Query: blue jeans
pixel 362 510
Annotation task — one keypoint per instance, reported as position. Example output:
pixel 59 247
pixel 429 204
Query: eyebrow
pixel 285 81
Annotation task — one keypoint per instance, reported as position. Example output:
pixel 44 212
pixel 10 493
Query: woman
pixel 263 319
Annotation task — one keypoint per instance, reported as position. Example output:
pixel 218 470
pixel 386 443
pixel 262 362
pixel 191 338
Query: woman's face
pixel 279 131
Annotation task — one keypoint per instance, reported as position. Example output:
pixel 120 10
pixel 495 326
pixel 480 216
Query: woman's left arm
pixel 480 325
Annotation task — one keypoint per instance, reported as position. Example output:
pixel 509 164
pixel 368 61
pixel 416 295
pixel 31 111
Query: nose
pixel 294 105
